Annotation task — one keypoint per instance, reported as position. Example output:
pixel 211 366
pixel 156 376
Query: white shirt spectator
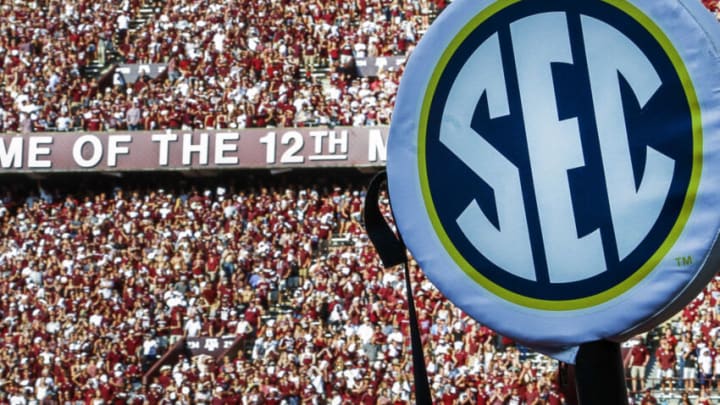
pixel 106 288
pixel 63 123
pixel 123 21
pixel 52 327
pixel 360 50
pixel 150 347
pixel 219 41
pixel 18 399
pixel 365 332
pixel 96 319
pixel 193 327
pixel 42 388
pixel 705 361
pixel 243 328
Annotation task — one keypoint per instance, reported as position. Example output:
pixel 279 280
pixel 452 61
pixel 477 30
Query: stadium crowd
pixel 230 64
pixel 682 357
pixel 96 286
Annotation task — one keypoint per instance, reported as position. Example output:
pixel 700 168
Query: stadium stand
pixel 276 63
pixel 98 285
pixel 105 287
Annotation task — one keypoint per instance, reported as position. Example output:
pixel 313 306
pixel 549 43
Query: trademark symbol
pixel 684 261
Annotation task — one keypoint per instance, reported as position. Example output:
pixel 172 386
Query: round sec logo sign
pixel 552 165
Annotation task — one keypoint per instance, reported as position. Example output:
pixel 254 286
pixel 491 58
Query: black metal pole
pixel 600 375
pixel 392 252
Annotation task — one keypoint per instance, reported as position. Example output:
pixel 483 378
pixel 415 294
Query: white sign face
pixel 553 164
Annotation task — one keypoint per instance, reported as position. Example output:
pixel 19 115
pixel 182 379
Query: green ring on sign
pixel 673 235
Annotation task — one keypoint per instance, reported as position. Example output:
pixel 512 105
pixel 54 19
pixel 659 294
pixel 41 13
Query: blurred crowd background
pixel 103 278
pixel 98 283
pixel 228 64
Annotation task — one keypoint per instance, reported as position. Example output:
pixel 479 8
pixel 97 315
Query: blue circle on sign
pixel 590 214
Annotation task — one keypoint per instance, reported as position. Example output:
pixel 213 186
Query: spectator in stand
pixel 666 359
pixel 705 367
pixel 684 399
pixel 704 397
pixel 648 398
pixel 689 357
pixel 639 358
pixel 134 116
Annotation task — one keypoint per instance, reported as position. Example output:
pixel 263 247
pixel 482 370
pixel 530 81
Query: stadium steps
pixel 99 66
pixel 651 372
pixel 341 241
pixel 319 74
pixel 94 69
pixel 147 13
pixel 674 398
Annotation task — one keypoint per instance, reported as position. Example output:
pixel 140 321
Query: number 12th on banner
pixel 327 145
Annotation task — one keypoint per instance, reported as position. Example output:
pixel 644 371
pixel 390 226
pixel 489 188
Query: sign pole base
pixel 600 375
